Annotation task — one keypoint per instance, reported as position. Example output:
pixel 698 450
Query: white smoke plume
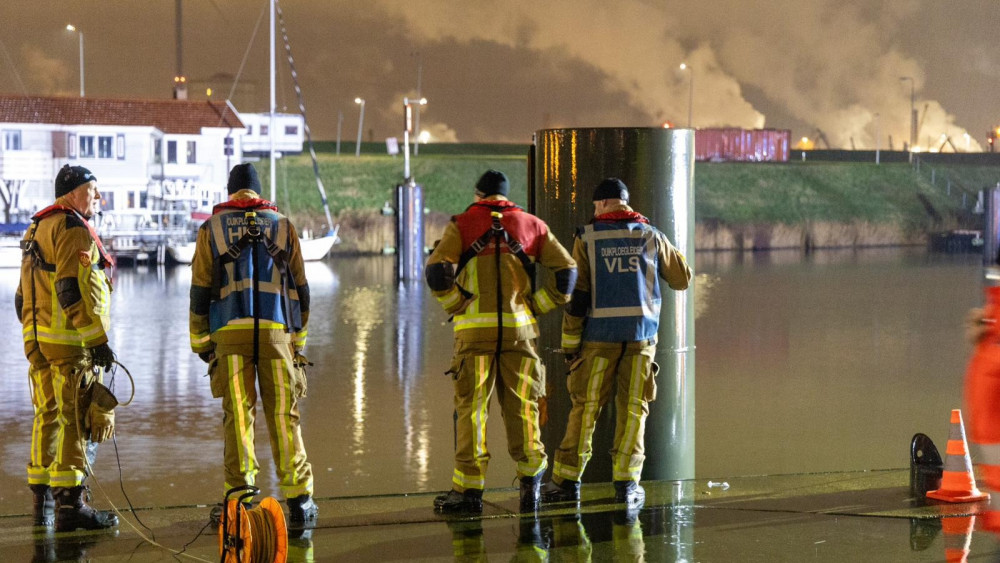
pixel 832 67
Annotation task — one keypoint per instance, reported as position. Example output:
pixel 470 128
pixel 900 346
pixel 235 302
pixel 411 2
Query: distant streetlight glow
pixel 685 66
pixel 424 137
pixel 361 121
pixel 69 27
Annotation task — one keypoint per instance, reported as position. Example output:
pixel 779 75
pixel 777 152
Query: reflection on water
pixel 362 307
pixel 633 535
pixel 409 351
pixel 825 361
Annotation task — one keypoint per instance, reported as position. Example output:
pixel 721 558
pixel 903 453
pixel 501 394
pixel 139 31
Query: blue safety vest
pixel 624 281
pixel 235 270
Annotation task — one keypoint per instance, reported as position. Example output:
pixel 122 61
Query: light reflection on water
pixel 829 361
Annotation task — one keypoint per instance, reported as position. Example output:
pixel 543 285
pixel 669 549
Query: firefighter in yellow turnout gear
pixel 481 273
pixel 63 301
pixel 249 310
pixel 609 336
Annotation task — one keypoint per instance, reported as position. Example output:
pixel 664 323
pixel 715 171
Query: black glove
pixel 207 356
pixel 102 356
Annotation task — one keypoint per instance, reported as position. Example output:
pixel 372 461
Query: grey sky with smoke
pixel 497 71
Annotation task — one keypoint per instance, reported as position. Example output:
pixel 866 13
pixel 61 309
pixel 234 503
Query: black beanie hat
pixel 243 177
pixel 70 178
pixel 492 182
pixel 611 188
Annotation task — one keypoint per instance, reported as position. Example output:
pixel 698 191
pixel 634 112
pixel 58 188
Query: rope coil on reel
pixel 255 535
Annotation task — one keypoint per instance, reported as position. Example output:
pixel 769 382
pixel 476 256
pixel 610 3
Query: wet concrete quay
pixel 860 516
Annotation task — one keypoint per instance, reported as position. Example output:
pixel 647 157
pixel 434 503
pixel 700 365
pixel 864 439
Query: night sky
pixel 496 71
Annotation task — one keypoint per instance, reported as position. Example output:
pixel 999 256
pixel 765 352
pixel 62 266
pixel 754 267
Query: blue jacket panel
pixel 624 281
pixel 233 297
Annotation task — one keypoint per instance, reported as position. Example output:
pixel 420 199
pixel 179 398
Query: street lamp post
pixel 69 27
pixel 416 117
pixel 687 67
pixel 913 113
pixel 361 124
pixel 407 129
pixel 878 135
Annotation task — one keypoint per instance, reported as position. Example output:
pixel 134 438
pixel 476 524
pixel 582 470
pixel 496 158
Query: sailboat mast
pixel 270 127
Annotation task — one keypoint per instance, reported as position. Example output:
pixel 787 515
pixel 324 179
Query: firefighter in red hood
pixel 482 273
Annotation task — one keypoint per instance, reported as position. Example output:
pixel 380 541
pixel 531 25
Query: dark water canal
pixel 804 363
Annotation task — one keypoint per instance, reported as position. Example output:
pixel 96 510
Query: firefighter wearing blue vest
pixel 491 298
pixel 63 301
pixel 609 336
pixel 249 310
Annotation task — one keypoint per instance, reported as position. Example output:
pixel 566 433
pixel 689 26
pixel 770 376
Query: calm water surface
pixel 830 361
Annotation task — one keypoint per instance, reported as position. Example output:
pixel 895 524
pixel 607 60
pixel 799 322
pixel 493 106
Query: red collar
pixel 55 208
pixel 618 216
pixel 252 203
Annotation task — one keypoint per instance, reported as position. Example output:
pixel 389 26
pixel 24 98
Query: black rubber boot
pixel 469 501
pixel 44 504
pixel 302 512
pixel 530 493
pixel 563 492
pixel 630 492
pixel 74 513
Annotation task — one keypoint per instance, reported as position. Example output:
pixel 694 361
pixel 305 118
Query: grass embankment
pixel 737 205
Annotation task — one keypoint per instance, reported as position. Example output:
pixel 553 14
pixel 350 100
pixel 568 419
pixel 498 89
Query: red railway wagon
pixel 742 145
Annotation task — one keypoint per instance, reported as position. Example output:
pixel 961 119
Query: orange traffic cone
pixel 958 484
pixel 957 538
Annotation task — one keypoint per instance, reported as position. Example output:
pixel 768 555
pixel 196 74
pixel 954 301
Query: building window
pixel 227 147
pixel 171 152
pixel 104 145
pixel 86 146
pixel 120 146
pixel 12 140
pixel 192 152
pixel 291 130
pixel 249 129
pixel 263 130
pixel 71 145
pixel 158 151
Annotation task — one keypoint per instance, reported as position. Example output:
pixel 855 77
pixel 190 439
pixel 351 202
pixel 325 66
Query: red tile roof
pixel 169 116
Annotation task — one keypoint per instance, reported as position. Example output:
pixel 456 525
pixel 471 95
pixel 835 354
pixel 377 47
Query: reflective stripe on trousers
pixel 281 413
pixel 521 384
pixel 590 387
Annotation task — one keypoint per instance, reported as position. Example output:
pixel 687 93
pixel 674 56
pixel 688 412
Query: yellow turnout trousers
pixel 281 385
pixel 601 364
pixel 520 385
pixel 59 377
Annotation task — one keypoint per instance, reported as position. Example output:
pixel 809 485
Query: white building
pixel 289 133
pixel 156 161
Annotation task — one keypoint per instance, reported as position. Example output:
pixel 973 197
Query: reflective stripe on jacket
pixel 64 295
pixel 222 288
pixel 472 298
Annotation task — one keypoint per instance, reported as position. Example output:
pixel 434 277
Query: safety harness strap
pixel 253 238
pixel 497 232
